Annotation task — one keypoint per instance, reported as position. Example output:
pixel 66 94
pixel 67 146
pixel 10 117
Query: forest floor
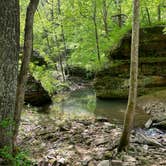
pixel 87 141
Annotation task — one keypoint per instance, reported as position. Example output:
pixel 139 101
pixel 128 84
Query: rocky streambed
pixel 87 141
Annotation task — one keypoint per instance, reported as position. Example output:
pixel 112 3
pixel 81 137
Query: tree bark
pixel 118 3
pixel 105 17
pixel 22 78
pixel 148 15
pixel 159 12
pixel 63 39
pixel 9 52
pixel 128 123
pixel 96 30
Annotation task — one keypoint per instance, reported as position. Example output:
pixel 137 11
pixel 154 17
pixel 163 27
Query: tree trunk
pixel 9 52
pixel 105 17
pixel 159 13
pixel 118 3
pixel 22 78
pixel 128 123
pixel 148 15
pixel 63 39
pixel 96 30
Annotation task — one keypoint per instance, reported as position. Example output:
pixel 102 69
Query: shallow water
pixel 84 101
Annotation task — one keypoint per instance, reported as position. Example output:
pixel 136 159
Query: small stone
pixel 108 155
pixel 61 160
pixel 100 141
pixel 104 163
pixel 128 164
pixel 116 163
pixel 43 163
pixel 148 123
pixel 129 158
pixel 92 163
pixel 86 160
pixel 145 147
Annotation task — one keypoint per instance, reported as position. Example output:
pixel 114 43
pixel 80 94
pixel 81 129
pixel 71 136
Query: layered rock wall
pixel 113 81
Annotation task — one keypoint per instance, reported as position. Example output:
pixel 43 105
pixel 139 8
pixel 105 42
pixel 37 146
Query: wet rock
pixel 35 94
pixel 112 81
pixel 104 163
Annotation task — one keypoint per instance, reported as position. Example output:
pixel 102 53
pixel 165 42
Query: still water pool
pixel 84 101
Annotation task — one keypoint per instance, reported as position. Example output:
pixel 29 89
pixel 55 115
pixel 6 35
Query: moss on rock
pixel 112 82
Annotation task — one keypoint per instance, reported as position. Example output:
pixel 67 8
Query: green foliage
pixel 20 159
pixel 48 78
pixel 6 123
pixel 75 23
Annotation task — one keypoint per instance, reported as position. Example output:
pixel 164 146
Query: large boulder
pixel 35 94
pixel 113 81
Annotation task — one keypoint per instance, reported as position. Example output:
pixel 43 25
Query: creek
pixel 84 102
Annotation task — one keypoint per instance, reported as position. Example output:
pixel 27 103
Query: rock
pixel 161 124
pixel 101 119
pixel 145 147
pixel 116 162
pixel 62 161
pixel 92 163
pixel 108 155
pixel 150 141
pixel 35 94
pixel 86 159
pixel 113 80
pixel 44 163
pixel 148 123
pixel 128 164
pixel 109 125
pixel 129 158
pixel 158 114
pixel 104 163
pixel 81 150
pixel 100 141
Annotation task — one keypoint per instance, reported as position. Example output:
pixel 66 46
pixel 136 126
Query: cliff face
pixel 113 81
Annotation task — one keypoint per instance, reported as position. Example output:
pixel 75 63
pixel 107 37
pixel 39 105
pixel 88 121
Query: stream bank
pixel 86 141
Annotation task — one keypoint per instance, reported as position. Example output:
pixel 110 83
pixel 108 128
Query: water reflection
pixel 84 101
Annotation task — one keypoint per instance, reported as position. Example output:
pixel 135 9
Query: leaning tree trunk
pixel 9 52
pixel 128 123
pixel 22 78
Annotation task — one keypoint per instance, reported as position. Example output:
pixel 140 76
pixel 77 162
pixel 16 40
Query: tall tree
pixel 9 52
pixel 105 16
pixel 94 18
pixel 128 123
pixel 63 39
pixel 22 78
pixel 119 10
